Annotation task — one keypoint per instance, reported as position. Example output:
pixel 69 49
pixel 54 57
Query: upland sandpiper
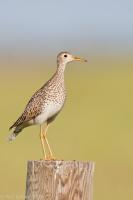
pixel 45 104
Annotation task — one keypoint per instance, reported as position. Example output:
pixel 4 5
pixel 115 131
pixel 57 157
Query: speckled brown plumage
pixel 49 92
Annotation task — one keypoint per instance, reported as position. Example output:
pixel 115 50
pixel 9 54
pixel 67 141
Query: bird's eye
pixel 65 55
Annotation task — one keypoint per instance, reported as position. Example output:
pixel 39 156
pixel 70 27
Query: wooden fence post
pixel 59 180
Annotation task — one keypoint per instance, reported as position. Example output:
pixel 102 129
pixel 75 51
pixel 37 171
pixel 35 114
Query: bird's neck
pixel 59 74
pixel 61 69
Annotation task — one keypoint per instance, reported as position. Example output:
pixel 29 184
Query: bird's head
pixel 65 57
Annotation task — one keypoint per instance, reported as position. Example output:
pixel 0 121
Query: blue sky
pixel 41 24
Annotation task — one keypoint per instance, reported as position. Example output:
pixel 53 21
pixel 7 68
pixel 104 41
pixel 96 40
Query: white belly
pixel 50 110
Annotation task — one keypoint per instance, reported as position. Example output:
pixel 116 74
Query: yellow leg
pixel 42 142
pixel 50 157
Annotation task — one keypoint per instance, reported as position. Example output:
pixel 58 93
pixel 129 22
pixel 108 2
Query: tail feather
pixel 11 137
pixel 14 133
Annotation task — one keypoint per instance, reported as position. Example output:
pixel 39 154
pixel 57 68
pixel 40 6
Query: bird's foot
pixel 50 157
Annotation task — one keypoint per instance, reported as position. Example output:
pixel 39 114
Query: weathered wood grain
pixel 59 180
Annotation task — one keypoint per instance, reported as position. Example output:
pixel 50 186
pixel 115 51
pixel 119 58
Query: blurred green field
pixel 95 124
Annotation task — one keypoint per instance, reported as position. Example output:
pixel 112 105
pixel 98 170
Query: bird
pixel 45 104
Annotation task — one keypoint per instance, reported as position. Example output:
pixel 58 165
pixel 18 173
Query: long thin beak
pixel 80 59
